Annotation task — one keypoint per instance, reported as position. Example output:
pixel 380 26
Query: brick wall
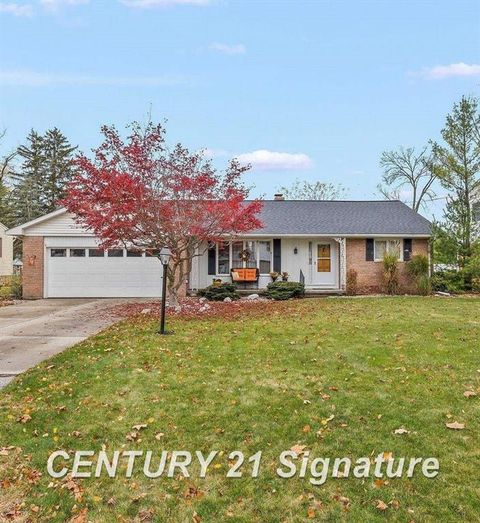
pixel 370 273
pixel 32 274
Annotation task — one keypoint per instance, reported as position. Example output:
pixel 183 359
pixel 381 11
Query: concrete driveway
pixel 32 331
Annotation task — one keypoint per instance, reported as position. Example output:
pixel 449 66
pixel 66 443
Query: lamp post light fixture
pixel 164 257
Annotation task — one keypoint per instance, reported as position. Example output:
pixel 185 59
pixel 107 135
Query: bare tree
pixel 5 161
pixel 305 190
pixel 407 169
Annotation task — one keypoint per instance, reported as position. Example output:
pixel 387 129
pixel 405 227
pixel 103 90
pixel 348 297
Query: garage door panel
pixel 103 277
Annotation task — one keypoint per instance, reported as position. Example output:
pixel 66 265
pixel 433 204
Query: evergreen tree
pixel 47 166
pixel 459 167
pixel 6 208
pixel 58 168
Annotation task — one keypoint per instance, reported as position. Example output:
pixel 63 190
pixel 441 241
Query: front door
pixel 325 264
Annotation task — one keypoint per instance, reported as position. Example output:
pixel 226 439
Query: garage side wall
pixel 33 265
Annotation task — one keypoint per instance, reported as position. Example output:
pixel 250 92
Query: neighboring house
pixel 6 252
pixel 316 242
pixel 476 210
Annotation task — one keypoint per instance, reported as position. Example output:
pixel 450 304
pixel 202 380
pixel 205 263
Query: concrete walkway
pixel 32 331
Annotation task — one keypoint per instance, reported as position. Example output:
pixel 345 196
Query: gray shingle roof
pixel 341 217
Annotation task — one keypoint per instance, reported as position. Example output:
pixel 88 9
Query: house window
pixel 324 260
pixel 58 253
pixel 387 246
pixel 134 253
pixel 237 248
pixel 251 248
pixel 223 258
pixel 115 253
pixel 77 253
pixel 96 253
pixel 264 257
pixel 246 254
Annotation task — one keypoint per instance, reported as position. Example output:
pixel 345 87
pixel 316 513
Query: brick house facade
pixel 316 242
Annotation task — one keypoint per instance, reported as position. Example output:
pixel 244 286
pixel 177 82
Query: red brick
pixel 33 263
pixel 370 273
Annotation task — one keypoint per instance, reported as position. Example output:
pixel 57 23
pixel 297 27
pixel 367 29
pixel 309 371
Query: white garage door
pixel 94 273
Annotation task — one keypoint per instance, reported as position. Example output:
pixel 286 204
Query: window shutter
pixel 407 249
pixel 277 254
pixel 370 249
pixel 212 260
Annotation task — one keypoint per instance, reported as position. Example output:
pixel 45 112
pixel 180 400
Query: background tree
pixel 58 168
pixel 136 193
pixel 47 165
pixel 6 209
pixel 305 190
pixel 458 163
pixel 407 169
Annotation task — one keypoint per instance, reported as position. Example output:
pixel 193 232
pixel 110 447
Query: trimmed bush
pixel 284 290
pixel 220 292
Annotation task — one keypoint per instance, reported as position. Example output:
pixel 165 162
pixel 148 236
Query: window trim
pixel 257 254
pixel 387 240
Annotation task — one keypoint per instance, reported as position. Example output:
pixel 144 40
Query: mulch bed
pixel 195 308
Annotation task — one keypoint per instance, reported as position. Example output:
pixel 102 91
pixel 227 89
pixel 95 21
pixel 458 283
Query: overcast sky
pixel 301 89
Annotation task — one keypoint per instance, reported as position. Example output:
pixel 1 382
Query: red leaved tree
pixel 137 193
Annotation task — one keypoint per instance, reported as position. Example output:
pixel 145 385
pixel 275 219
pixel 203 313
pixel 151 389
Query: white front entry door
pixel 325 264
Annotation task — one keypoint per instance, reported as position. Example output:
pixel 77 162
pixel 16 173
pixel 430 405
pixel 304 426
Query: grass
pixel 260 382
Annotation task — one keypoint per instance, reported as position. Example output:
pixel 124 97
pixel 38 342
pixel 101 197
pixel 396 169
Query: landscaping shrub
pixel 285 290
pixel 418 266
pixel 220 292
pixel 390 273
pixel 11 287
pixel 418 269
pixel 352 285
pixel 448 281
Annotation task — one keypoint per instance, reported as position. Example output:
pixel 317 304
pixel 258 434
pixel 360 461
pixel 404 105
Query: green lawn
pixel 265 381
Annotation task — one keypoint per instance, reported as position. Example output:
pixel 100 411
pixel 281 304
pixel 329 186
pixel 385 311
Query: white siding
pixel 6 260
pixel 62 225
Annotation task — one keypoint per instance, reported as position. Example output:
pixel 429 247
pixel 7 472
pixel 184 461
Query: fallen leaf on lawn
pixel 24 418
pixel 140 426
pixel 455 425
pixel 325 421
pixel 469 393
pixel 111 502
pixel 146 514
pixel 193 492
pixel 298 449
pixel 132 436
pixel 307 402
pixel 306 428
pixel 81 517
pixel 310 512
pixel 159 435
pixel 196 518
pixel 381 505
pixel 34 508
pixel 401 430
pixel 387 455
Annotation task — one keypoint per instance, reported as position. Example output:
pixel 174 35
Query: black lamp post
pixel 164 257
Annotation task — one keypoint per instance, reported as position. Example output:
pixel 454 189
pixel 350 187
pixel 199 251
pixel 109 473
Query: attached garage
pixel 63 260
